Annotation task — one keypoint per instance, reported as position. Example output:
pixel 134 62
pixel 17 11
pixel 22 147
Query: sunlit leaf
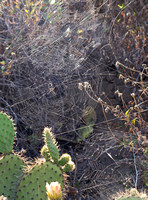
pixel 121 6
pixel 126 114
pixel 12 53
pixel 32 11
pixel 133 121
pixel 118 20
pixel 2 62
pixel 27 15
pixel 131 143
pixel 26 11
pixel 79 31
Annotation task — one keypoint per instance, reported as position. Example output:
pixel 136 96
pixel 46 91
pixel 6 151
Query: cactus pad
pixel 130 198
pixel 32 186
pixel 132 194
pixel 84 132
pixel 51 144
pixel 10 174
pixel 7 133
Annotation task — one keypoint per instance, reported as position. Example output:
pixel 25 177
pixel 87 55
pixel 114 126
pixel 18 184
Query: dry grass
pixel 47 50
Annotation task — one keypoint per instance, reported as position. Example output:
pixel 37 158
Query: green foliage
pixel 122 7
pixel 7 133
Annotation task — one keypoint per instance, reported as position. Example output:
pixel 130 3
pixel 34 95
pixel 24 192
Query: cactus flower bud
pixel 64 159
pixel 54 191
pixel 70 166
pixel 3 198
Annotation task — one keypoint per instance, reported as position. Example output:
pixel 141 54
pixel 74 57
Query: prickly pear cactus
pixel 7 133
pixel 50 151
pixel 50 142
pixel 50 169
pixel 132 194
pixel 33 184
pixel 89 118
pixel 130 198
pixel 11 172
pixel 17 183
pixel 84 132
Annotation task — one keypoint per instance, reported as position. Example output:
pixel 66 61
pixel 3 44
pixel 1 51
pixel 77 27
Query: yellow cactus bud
pixel 64 159
pixel 54 191
pixel 70 166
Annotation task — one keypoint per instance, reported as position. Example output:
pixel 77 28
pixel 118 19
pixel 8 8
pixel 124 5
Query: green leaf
pixel 26 11
pixel 121 6
pixel 2 62
pixel 133 121
pixel 131 143
pixel 79 31
pixel 126 114
pixel 32 10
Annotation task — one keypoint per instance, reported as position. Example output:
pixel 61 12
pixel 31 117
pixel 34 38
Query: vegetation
pixel 79 67
pixel 17 183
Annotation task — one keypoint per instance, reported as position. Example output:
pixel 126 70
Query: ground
pixel 50 61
